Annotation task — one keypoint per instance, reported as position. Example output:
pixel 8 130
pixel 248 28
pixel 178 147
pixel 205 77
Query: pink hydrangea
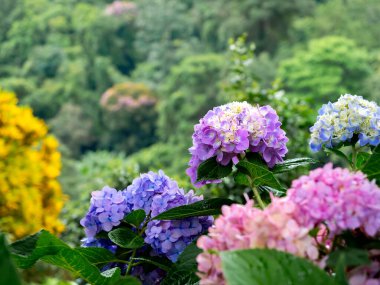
pixel 243 227
pixel 343 200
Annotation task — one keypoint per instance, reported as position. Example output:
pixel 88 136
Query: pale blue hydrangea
pixel 342 121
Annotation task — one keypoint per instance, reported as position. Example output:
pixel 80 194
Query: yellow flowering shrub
pixel 30 195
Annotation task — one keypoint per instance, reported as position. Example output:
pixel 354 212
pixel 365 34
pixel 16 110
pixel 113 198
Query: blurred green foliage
pixel 329 67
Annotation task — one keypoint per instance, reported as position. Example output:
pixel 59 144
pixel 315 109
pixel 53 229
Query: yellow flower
pixel 30 195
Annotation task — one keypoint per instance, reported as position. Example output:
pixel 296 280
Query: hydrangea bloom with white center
pixel 228 131
pixel 338 122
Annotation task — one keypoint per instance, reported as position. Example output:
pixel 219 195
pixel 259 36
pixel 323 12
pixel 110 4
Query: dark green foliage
pixel 371 167
pixel 201 208
pixel 270 267
pixel 50 249
pixel 9 274
pixel 183 271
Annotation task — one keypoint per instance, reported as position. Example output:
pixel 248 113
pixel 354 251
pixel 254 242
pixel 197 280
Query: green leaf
pixel 30 249
pixel 162 263
pixel 351 257
pixel 339 154
pixel 50 249
pixel 197 209
pixel 210 169
pixel 97 255
pixel 371 168
pixel 184 270
pixel 275 192
pixel 259 174
pixel 135 218
pixel 126 238
pixel 361 159
pixel 9 274
pixel 291 164
pixel 270 267
pixel 241 179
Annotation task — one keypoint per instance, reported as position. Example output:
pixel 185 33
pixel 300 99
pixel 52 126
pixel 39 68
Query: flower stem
pixel 354 157
pixel 140 232
pixel 256 193
pixel 130 263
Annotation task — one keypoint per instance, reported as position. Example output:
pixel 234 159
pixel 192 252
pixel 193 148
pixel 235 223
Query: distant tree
pixel 328 67
pixel 129 117
pixel 191 89
pixel 265 21
pixel 354 19
pixel 73 128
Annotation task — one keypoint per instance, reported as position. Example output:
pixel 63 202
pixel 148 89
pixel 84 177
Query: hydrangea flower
pixel 108 207
pixel 156 193
pixel 341 199
pixel 338 122
pixel 228 131
pixel 102 242
pixel 244 227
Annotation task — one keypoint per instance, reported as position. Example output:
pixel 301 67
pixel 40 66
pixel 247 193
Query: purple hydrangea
pixel 228 131
pixel 108 207
pixel 156 193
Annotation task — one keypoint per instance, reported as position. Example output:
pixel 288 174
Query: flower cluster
pixel 118 8
pixel 127 96
pixel 108 207
pixel 339 198
pixel 339 122
pixel 30 194
pixel 229 130
pixel 156 193
pixel 243 227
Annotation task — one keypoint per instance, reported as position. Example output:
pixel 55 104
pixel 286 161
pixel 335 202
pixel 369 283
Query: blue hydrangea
pixel 108 207
pixel 102 242
pixel 156 193
pixel 340 121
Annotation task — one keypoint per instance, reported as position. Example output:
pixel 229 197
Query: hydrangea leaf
pixel 270 267
pixel 340 259
pixel 351 257
pixel 159 262
pixel 361 159
pixel 135 218
pixel 291 164
pixel 183 271
pixel 52 250
pixel 210 169
pixel 8 271
pixel 201 208
pixel 338 153
pixel 126 238
pixel 97 255
pixel 258 173
pixel 371 168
